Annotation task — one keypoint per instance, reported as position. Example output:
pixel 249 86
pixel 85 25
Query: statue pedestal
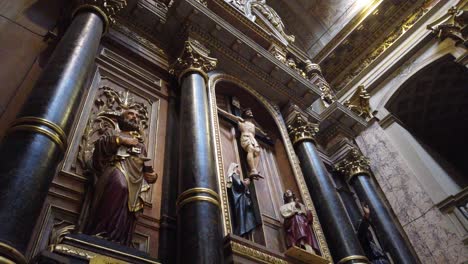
pixel 79 248
pixel 304 256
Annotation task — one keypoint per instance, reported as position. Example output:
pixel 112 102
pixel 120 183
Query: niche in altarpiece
pixel 274 164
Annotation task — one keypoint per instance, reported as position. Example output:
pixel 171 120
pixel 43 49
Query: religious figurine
pixel 247 127
pixel 372 250
pixel 298 224
pixel 244 217
pixel 118 160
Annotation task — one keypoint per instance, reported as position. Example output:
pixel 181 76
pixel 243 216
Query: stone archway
pixel 433 106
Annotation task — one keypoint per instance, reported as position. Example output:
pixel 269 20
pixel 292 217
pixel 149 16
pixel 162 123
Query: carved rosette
pixel 300 129
pixel 107 9
pixel 353 164
pixel 194 58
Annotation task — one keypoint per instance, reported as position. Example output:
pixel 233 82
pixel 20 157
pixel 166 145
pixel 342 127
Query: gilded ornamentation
pixel 255 254
pixel 359 103
pixel 353 164
pixel 311 68
pixel 293 65
pixel 326 94
pixel 389 41
pixel 108 9
pixel 194 57
pixel 300 129
pixel 453 24
pixel 276 114
pixel 279 53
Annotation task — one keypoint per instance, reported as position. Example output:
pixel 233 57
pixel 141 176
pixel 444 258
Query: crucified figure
pixel 247 127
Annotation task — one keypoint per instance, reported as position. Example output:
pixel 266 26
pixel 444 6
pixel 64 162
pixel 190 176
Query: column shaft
pixel 342 240
pixel 387 227
pixel 199 227
pixel 35 144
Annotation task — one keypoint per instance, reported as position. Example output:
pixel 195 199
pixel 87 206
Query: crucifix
pixel 248 129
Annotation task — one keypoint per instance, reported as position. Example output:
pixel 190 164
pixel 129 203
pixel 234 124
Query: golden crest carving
pixel 194 57
pixel 300 129
pixel 353 164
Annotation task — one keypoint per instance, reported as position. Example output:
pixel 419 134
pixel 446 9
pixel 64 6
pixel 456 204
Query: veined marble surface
pixel 427 228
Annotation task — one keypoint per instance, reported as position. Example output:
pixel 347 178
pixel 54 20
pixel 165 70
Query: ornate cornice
pixel 107 9
pixel 300 129
pixel 194 58
pixel 362 64
pixel 353 164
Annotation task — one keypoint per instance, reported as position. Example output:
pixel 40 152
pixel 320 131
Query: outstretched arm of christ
pixel 231 117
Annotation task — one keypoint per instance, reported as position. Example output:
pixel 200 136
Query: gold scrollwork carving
pixel 300 129
pixel 353 164
pixel 194 58
pixel 107 9
pixel 185 197
pixel 255 254
pixel 37 124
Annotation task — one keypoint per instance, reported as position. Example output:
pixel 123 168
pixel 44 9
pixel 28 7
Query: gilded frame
pixel 273 110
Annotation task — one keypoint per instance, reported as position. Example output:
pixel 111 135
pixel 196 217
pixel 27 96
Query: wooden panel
pixel 69 189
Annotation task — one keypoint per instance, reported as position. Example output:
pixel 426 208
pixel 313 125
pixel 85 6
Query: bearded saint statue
pixel 119 161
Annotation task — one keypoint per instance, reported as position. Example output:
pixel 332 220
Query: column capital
pixel 107 9
pixel 300 129
pixel 193 58
pixel 353 164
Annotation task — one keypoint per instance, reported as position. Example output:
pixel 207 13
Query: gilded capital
pixel 353 164
pixel 107 9
pixel 193 58
pixel 300 129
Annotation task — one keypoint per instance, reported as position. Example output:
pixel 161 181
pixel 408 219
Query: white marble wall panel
pixel 427 228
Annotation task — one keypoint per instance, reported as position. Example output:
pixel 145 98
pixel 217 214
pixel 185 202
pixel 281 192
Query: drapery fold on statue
pixel 116 196
pixel 244 211
pixel 297 225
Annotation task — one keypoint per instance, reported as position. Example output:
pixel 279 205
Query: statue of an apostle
pixel 297 224
pixel 244 216
pixel 119 159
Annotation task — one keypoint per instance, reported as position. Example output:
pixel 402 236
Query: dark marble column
pixel 198 208
pixel 339 232
pixel 36 142
pixel 386 225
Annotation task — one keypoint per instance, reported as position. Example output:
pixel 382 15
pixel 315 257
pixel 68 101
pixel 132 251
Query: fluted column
pixel 198 208
pixel 36 141
pixel 339 232
pixel 390 233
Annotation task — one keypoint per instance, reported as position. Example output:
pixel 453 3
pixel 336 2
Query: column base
pixel 9 254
